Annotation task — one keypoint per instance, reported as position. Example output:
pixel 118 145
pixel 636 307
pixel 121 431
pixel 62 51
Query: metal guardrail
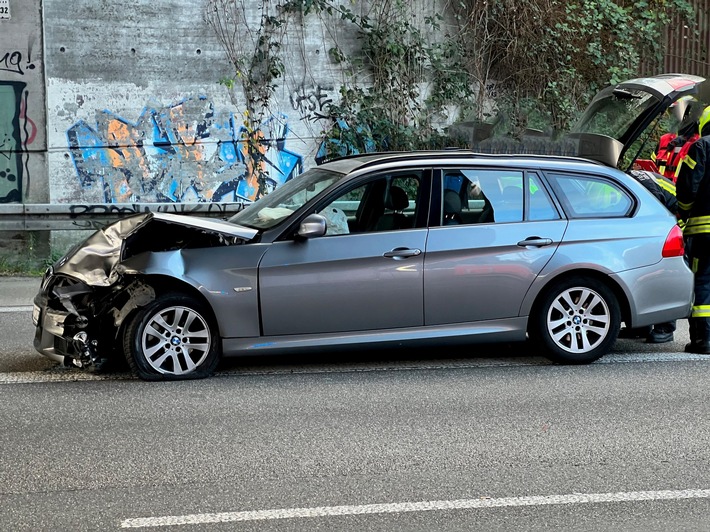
pixel 67 217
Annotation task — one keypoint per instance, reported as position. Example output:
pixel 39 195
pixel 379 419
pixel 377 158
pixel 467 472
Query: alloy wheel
pixel 176 340
pixel 578 320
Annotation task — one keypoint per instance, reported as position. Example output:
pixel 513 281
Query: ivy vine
pixel 538 61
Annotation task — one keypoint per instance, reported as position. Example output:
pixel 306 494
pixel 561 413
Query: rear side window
pixel 476 195
pixel 591 197
pixel 541 207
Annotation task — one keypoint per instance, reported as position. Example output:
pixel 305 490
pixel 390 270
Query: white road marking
pixel 57 375
pixel 421 506
pixel 24 308
pixel 72 375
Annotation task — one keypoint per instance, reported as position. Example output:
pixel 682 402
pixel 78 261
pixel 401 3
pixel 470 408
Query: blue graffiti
pixel 184 152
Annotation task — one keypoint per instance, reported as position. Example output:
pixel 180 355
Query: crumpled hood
pixel 95 260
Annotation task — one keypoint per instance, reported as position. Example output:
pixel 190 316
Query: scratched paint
pixel 182 152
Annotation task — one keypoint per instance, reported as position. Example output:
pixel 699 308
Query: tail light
pixel 674 246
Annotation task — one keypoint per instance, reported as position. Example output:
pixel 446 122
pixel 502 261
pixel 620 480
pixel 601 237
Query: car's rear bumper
pixel 658 293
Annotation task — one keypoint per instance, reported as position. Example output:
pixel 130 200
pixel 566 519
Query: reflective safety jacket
pixel 680 146
pixel 693 188
pixel 670 152
pixel 663 153
pixel 693 185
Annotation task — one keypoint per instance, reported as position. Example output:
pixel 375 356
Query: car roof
pixel 359 162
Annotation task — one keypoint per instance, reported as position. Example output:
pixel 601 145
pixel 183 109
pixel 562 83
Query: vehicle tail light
pixel 674 245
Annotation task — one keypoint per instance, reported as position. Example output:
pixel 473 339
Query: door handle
pixel 535 241
pixel 402 253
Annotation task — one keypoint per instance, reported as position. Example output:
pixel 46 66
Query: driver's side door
pixel 367 275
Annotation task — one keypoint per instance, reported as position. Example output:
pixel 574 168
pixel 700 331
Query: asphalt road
pixel 455 440
pixel 18 355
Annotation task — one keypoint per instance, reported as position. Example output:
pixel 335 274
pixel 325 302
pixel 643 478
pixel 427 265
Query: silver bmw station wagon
pixel 386 249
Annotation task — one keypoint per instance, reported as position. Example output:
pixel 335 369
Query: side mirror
pixel 312 225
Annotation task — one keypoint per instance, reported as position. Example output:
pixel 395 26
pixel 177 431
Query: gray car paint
pixel 281 293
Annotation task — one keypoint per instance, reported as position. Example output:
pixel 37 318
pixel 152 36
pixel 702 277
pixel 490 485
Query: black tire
pixel 577 321
pixel 156 338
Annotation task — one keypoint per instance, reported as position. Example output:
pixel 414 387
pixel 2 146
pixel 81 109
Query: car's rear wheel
pixel 172 338
pixel 577 321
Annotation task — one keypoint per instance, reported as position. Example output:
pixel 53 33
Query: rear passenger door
pixel 481 261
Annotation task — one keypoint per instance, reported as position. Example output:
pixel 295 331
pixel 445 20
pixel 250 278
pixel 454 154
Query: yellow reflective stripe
pixel 685 206
pixel 696 230
pixel 700 311
pixel 662 169
pixel 665 185
pixel 690 162
pixel 677 170
pixel 704 119
pixel 699 220
pixel 697 225
pixel 653 157
pixel 681 224
pixel 694 265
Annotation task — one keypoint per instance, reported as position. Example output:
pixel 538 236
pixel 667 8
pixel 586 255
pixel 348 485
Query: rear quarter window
pixel 585 196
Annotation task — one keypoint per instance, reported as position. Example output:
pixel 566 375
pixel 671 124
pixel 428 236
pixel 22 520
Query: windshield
pixel 613 115
pixel 271 209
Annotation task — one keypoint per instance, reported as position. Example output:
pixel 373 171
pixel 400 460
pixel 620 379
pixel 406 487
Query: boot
pixel 699 336
pixel 659 337
pixel 699 348
pixel 661 333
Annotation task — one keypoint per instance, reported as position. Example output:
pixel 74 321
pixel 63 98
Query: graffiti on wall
pixel 179 153
pixel 13 103
pixel 17 129
pixel 78 212
pixel 311 102
pixel 14 63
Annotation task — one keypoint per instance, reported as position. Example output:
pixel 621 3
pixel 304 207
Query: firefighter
pixel 672 147
pixel 693 194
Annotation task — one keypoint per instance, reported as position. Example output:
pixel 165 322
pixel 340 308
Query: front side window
pixel 385 203
pixel 591 197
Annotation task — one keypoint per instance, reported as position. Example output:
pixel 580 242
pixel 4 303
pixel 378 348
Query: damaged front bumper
pixel 88 294
pixel 76 324
pixel 61 328
pixel 52 341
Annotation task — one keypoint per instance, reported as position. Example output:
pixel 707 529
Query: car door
pixel 480 265
pixel 366 275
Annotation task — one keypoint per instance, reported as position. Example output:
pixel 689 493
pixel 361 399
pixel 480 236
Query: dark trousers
pixel 698 250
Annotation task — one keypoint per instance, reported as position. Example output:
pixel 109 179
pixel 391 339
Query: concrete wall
pixel 115 107
pixel 23 125
pixel 118 103
pixel 135 113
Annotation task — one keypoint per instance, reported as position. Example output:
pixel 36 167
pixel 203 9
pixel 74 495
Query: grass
pixel 26 267
pixel 26 259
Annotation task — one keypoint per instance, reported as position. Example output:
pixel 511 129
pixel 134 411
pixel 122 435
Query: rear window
pixel 591 197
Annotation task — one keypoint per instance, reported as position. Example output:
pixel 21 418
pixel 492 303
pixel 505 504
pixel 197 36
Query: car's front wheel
pixel 577 321
pixel 172 338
